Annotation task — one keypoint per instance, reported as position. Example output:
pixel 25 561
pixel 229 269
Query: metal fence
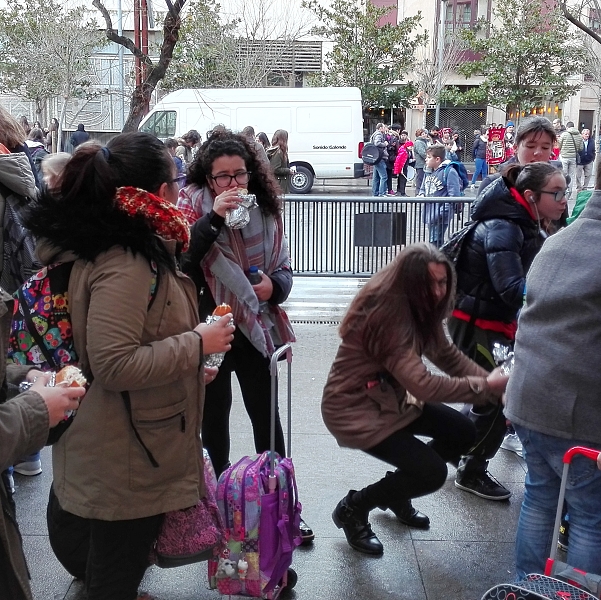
pixel 357 235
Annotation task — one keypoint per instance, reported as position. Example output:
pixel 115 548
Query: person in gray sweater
pixel 554 392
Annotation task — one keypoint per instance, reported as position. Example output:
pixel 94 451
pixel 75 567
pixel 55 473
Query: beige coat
pixel 361 416
pixel 100 469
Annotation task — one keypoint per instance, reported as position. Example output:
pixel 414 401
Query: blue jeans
pixel 544 455
pixel 438 228
pixel 481 169
pixel 380 178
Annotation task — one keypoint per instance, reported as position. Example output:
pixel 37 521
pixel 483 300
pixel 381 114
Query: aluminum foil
pixel 503 356
pixel 238 218
pixel 214 360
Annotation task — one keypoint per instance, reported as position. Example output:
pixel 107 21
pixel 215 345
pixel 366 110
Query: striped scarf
pixel 261 244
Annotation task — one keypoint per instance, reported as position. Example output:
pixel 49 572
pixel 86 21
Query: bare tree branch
pixel 577 22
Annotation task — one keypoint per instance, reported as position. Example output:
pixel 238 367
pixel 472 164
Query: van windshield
pixel 161 123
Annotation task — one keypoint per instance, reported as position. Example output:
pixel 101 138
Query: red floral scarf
pixel 162 217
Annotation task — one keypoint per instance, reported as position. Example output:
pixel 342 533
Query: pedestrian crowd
pixel 146 231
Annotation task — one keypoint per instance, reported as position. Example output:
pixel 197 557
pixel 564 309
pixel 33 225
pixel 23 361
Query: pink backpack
pixel 192 534
pixel 262 517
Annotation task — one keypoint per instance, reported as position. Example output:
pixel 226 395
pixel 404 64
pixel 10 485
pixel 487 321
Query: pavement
pixel 468 548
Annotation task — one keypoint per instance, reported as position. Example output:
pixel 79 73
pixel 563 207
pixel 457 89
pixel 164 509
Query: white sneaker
pixel 30 468
pixel 513 444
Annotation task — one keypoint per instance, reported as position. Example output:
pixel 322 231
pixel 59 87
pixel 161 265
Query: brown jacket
pixel 23 430
pixel 100 469
pixel 360 415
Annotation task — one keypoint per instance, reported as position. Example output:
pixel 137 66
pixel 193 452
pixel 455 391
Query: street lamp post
pixel 440 59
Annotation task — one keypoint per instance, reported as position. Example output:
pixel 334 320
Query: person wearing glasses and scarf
pixel 218 261
pixel 491 278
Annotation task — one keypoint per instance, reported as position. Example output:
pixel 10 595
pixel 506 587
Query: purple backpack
pixel 261 526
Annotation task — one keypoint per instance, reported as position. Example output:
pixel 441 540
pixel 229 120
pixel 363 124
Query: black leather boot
pixel 353 521
pixel 408 515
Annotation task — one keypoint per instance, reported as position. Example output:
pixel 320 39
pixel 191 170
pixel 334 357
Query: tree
pixel 243 48
pixel 431 74
pixel 527 57
pixel 46 58
pixel 366 54
pixel 153 72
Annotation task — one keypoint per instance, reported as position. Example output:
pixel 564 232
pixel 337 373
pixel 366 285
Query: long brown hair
pixel 11 132
pixel 280 139
pixel 397 305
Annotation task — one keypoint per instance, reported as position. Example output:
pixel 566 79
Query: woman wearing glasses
pixel 491 278
pixel 218 261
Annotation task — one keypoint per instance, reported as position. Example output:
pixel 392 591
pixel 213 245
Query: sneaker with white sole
pixel 29 468
pixel 483 485
pixel 512 444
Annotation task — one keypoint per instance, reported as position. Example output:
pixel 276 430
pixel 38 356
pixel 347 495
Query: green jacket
pixel 280 168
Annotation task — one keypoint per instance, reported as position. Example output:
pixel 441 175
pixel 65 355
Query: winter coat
pixel 79 137
pixel 420 147
pixel 101 470
pixel 17 181
pixel 401 159
pixel 280 168
pixel 378 139
pixel 554 386
pixel 23 429
pixel 496 255
pixel 587 154
pixel 479 150
pixel 365 401
pixel 570 143
pixel 437 185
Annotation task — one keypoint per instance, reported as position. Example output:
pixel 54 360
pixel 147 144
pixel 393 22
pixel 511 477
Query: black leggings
pixel 421 468
pixel 112 556
pixel 252 371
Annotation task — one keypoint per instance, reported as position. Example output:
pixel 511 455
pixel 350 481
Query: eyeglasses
pixel 557 196
pixel 224 180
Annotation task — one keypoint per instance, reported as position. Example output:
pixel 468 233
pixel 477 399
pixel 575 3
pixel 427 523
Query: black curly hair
pixel 262 182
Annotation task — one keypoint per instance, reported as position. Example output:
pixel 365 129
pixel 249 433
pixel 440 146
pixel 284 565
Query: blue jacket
pixel 434 186
pixel 587 154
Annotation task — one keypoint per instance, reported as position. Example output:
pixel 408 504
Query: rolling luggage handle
pixel 555 568
pixel 286 350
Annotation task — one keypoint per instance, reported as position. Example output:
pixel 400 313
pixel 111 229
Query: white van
pixel 325 125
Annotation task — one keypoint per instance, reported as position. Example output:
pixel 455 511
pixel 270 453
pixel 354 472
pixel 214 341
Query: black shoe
pixel 307 534
pixel 410 516
pixel 353 521
pixel 483 485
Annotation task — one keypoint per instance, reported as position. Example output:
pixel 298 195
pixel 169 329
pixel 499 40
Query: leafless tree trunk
pixel 155 72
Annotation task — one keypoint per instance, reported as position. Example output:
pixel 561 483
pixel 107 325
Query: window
pixel 460 13
pixel 594 20
pixel 161 124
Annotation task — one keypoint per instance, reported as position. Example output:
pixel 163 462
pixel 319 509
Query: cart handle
pixel 588 452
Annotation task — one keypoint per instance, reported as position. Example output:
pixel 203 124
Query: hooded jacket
pixel 570 143
pixel 497 254
pixel 101 471
pixel 17 182
pixel 80 136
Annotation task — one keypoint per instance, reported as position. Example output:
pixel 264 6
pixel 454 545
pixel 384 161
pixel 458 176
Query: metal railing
pixel 357 235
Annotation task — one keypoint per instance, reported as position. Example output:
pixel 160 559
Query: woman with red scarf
pixel 127 458
pixel 491 278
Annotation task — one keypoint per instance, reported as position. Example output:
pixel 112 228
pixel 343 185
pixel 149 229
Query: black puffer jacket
pixel 496 255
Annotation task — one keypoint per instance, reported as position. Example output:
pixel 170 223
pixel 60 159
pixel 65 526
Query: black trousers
pixel 252 371
pixel 115 553
pixel 420 467
pixel 401 185
pixel 488 419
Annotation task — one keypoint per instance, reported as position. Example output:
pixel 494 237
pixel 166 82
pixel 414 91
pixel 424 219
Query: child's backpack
pixel 464 182
pixel 261 524
pixel 41 333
